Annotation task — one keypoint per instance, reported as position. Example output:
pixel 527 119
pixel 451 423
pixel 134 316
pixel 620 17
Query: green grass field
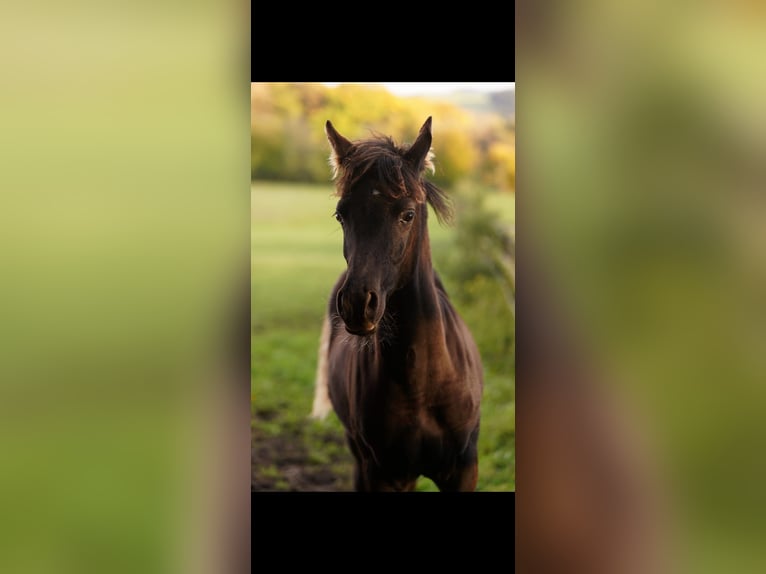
pixel 296 258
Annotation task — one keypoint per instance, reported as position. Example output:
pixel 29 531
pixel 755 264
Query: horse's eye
pixel 339 217
pixel 408 216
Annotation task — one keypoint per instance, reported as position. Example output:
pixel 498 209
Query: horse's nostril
pixel 340 299
pixel 372 303
pixel 358 308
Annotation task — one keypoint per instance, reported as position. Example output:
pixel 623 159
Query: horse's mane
pixel 381 158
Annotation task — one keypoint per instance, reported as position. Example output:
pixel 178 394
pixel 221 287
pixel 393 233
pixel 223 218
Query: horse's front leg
pixel 365 476
pixel 462 479
pixel 369 478
pixel 374 483
pixel 465 473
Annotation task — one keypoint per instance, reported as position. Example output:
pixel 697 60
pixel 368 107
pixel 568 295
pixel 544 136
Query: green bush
pixel 480 270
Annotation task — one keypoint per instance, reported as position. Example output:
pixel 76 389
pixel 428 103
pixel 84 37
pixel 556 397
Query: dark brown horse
pixel 401 368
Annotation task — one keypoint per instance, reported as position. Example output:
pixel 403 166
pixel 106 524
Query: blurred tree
pixel 266 148
pixel 501 163
pixel 288 141
pixel 454 146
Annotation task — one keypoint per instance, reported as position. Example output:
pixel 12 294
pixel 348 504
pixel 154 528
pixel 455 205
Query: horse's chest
pixel 399 416
pixel 413 431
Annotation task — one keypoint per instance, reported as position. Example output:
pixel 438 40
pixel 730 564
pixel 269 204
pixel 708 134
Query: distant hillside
pixel 503 103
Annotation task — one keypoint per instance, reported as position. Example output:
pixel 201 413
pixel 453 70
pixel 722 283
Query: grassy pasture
pixel 296 258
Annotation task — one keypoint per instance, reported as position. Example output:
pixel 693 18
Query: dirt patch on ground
pixel 298 459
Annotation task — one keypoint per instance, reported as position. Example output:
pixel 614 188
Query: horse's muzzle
pixel 360 310
pixel 365 333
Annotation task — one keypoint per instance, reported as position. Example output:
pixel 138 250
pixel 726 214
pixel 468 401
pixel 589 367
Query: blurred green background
pixel 644 138
pixel 297 257
pixel 124 204
pixel 125 224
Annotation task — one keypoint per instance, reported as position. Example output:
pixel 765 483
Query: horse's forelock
pixel 381 158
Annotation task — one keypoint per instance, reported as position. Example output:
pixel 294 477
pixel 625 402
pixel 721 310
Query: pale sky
pixel 428 88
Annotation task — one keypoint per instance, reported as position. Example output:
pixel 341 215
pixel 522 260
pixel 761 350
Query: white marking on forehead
pixel 375 192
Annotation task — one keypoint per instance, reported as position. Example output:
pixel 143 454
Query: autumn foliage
pixel 288 140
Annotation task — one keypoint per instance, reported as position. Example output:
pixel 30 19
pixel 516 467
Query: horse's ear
pixel 340 145
pixel 419 154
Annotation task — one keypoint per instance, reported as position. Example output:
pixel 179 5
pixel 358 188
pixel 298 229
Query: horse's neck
pixel 417 309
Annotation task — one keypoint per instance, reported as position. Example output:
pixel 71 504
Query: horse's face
pixel 382 210
pixel 378 241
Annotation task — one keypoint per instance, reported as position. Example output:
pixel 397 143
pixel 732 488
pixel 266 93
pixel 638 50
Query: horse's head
pixel 383 211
